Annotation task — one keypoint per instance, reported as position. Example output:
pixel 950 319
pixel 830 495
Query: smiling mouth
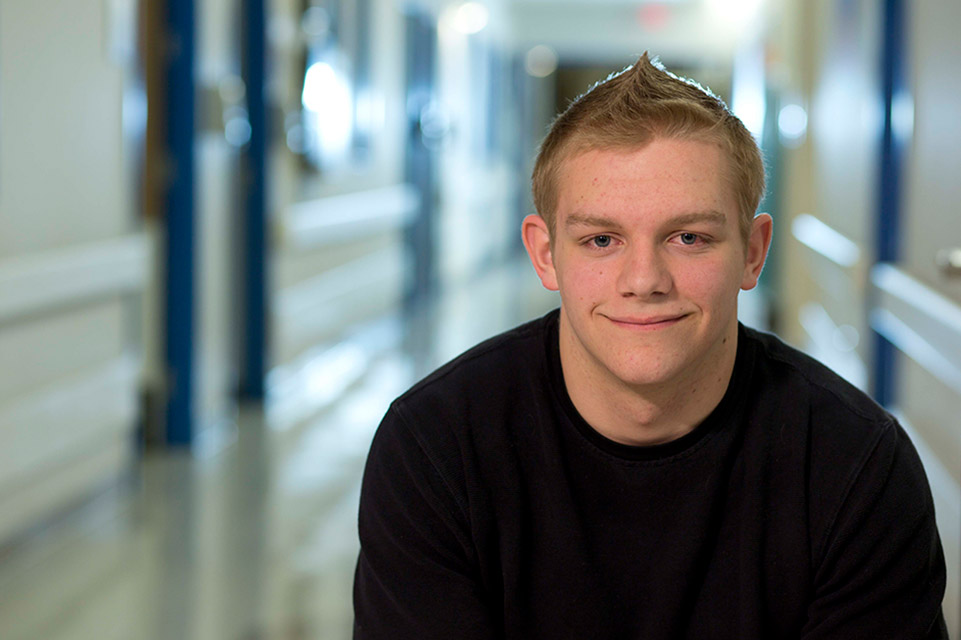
pixel 649 323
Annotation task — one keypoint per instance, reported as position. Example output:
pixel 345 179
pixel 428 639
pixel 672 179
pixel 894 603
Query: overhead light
pixel 467 18
pixel 735 13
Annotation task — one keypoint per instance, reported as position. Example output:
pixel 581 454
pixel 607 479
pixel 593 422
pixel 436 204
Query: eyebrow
pixel 584 220
pixel 705 217
pixel 715 218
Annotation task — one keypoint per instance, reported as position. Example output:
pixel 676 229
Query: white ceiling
pixel 702 33
pixel 689 30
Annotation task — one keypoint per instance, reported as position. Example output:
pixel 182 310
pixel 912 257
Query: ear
pixel 758 242
pixel 537 241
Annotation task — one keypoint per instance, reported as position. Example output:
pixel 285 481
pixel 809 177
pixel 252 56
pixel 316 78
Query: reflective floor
pixel 254 535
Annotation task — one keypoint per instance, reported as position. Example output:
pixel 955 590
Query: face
pixel 648 258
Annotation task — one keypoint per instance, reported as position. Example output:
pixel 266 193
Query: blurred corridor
pixel 232 231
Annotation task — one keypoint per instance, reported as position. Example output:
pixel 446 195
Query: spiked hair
pixel 635 106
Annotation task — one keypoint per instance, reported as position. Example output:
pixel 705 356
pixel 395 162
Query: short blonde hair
pixel 635 106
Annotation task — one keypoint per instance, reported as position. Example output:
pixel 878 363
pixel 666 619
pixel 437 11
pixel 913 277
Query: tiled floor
pixel 254 536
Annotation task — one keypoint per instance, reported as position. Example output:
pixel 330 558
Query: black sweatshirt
pixel 491 509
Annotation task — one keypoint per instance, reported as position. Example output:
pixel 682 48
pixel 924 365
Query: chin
pixel 636 376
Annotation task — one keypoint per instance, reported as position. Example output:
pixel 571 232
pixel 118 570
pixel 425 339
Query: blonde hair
pixel 635 106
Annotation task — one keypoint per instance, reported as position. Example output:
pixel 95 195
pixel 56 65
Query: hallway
pixel 214 215
pixel 255 536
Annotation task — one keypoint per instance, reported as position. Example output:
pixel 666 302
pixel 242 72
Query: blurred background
pixel 232 231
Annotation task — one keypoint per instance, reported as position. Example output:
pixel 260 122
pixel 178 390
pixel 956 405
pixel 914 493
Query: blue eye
pixel 688 238
pixel 602 241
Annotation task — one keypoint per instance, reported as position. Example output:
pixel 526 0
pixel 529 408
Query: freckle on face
pixel 639 190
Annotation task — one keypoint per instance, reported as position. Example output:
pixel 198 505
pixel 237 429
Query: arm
pixel 881 572
pixel 416 576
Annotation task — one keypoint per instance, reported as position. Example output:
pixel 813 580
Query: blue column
pixel 180 240
pixel 253 359
pixel 419 161
pixel 889 183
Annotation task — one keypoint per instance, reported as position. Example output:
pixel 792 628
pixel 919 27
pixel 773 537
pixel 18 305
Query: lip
pixel 646 323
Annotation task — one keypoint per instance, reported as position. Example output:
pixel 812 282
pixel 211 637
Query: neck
pixel 645 414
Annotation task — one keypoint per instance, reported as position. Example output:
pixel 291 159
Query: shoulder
pixel 855 454
pixel 486 372
pixel 798 378
pixel 455 427
pixel 472 400
pixel 837 426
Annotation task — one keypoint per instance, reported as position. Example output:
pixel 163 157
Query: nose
pixel 644 274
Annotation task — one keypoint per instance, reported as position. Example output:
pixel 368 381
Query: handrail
pixel 350 215
pixel 919 321
pixel 825 240
pixel 41 282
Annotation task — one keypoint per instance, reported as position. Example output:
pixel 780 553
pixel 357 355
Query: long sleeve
pixel 880 567
pixel 416 575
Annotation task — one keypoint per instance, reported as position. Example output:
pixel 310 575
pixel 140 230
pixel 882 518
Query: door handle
pixel 949 262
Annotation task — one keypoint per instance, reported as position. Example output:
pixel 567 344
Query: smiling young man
pixel 646 249
pixel 637 464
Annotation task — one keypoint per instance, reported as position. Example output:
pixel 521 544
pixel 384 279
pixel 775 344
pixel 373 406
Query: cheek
pixel 585 286
pixel 714 284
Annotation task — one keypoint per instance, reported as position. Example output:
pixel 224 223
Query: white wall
pixel 71 266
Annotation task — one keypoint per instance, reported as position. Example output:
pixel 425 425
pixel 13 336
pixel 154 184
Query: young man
pixel 636 464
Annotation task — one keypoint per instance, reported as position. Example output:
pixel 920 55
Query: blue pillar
pixel 419 162
pixel 180 238
pixel 889 183
pixel 253 359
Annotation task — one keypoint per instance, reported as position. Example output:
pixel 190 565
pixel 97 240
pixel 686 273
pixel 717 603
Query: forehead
pixel 664 177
